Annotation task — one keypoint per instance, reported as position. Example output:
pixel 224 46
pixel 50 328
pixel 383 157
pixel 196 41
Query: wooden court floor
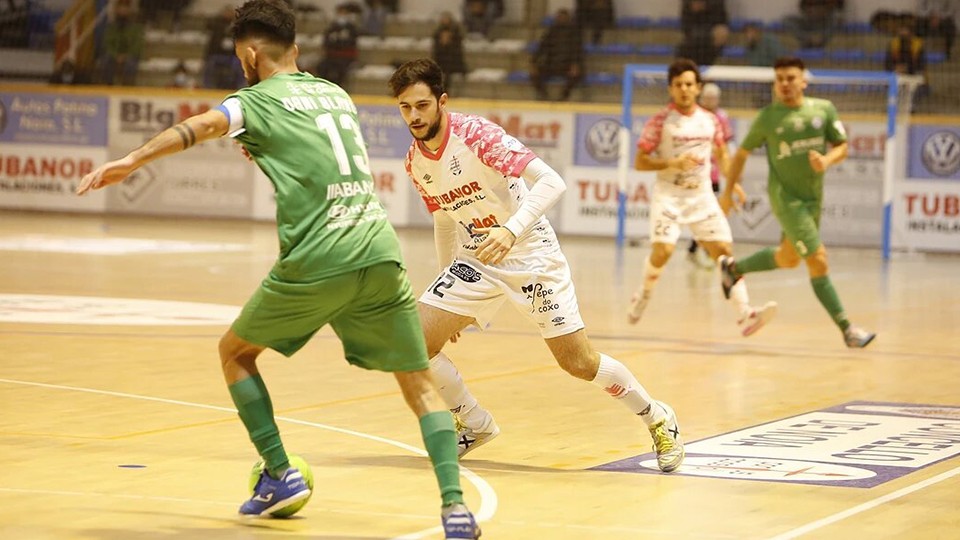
pixel 125 431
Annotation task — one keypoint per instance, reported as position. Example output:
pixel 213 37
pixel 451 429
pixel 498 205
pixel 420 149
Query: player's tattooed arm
pixel 198 128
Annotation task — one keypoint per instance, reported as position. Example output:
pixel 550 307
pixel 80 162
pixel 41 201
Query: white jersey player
pixel 495 245
pixel 677 143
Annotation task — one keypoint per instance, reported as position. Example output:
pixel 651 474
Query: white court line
pixel 829 520
pixel 488 497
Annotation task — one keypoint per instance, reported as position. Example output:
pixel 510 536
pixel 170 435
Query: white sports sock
pixel 616 380
pixel 454 392
pixel 650 275
pixel 740 300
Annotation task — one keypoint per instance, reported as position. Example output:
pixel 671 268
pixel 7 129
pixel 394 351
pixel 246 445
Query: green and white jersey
pixel 790 133
pixel 303 133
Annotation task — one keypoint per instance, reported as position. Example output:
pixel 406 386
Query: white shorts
pixel 539 285
pixel 701 212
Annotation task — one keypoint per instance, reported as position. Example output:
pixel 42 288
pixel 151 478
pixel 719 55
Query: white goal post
pixel 888 94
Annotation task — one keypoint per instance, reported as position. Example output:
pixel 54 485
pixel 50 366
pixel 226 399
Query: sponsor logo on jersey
pixel 511 143
pixel 465 272
pixel 540 298
pixel 817 122
pixel 557 321
pixel 858 444
pixel 603 141
pixel 798 124
pixel 349 189
pixel 799 146
pixel 941 153
pixel 466 190
pixel 479 223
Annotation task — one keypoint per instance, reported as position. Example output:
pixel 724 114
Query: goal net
pixel 858 193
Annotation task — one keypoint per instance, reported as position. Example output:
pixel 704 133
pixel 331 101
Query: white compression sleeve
pixel 547 188
pixel 445 238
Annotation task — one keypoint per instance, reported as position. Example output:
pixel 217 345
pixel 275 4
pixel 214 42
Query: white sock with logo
pixel 454 392
pixel 616 380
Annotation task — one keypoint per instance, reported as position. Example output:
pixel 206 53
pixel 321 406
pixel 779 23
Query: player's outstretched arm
pixel 734 172
pixel 198 128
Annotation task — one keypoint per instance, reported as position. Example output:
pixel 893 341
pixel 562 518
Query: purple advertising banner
pixel 384 131
pixel 934 153
pixel 860 444
pixel 53 119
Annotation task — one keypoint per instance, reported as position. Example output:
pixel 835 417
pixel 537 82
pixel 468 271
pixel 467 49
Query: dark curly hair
pixel 272 20
pixel 422 70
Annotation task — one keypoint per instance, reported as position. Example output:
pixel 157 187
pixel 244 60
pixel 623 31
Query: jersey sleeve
pixel 757 134
pixel 232 108
pixel 432 206
pixel 652 132
pixel 834 130
pixel 495 148
pixel 726 125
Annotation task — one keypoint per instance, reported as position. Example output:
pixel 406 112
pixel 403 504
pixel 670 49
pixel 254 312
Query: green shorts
pixel 372 310
pixel 800 221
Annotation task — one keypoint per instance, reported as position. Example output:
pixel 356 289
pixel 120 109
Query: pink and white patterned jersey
pixel 670 134
pixel 475 178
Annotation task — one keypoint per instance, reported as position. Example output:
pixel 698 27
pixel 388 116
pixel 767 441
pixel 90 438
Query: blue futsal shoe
pixel 458 523
pixel 271 495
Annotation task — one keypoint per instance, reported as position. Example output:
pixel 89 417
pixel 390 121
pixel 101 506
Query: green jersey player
pixel 339 260
pixel 803 137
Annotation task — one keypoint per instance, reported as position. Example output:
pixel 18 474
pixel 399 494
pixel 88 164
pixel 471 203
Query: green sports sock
pixel 827 295
pixel 256 410
pixel 760 261
pixel 440 438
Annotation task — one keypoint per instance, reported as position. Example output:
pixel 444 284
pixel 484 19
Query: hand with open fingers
pixel 496 245
pixel 686 162
pixel 817 161
pixel 112 172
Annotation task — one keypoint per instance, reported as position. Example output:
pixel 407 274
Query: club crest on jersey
pixel 455 166
pixel 817 122
pixel 465 272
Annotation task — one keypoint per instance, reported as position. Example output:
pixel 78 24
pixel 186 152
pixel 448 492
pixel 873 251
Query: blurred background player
pixel 796 131
pixel 495 245
pixel 710 100
pixel 684 137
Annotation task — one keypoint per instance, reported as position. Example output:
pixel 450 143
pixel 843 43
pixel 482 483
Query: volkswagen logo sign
pixel 941 153
pixel 603 140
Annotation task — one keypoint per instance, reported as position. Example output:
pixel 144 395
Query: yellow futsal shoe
pixel 666 440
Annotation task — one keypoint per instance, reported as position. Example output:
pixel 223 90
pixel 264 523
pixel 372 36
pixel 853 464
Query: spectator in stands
pixel 182 77
pixel 67 73
pixel 151 9
pixel 906 54
pixel 595 16
pixel 816 23
pixel 14 23
pixel 339 47
pixel 122 46
pixel 448 51
pixel 762 49
pixel 479 15
pixel 559 54
pixel 705 30
pixel 375 19
pixel 221 68
pixel 937 18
